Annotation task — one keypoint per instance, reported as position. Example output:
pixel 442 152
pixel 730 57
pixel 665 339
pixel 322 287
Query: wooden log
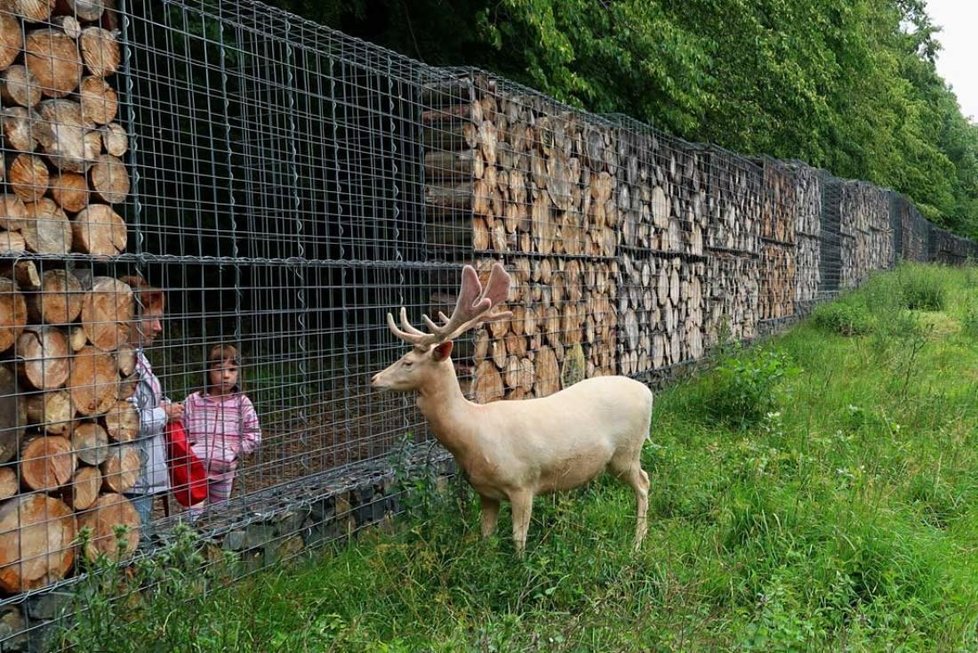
pixel 32 11
pixel 12 212
pixel 122 422
pixel 126 357
pixel 59 300
pixel 121 468
pixel 108 513
pixel 19 86
pixel 13 414
pixel 115 140
pixel 46 229
pixel 93 381
pixel 13 313
pixel 69 141
pixel 90 443
pixel 45 357
pixel 28 177
pixel 18 130
pixel 88 10
pixel 52 411
pixel 12 242
pixel 52 57
pixel 9 483
pixel 487 384
pixel 100 51
pixel 547 372
pixel 67 24
pixel 99 230
pixel 109 179
pixel 47 463
pixel 83 489
pixel 99 102
pixel 11 39
pixel 70 191
pixel 37 542
pixel 107 312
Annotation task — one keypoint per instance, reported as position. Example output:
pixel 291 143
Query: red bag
pixel 188 477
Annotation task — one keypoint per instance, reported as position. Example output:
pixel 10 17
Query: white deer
pixel 514 450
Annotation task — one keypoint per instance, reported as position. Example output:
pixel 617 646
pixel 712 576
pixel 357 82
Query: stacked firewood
pixel 518 174
pixel 808 246
pixel 734 200
pixel 67 430
pixel 662 195
pixel 866 239
pixel 661 309
pixel 66 426
pixel 914 230
pixel 779 208
pixel 563 329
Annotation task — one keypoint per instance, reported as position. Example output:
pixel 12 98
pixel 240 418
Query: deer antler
pixel 475 305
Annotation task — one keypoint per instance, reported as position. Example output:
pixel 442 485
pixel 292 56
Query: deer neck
pixel 447 410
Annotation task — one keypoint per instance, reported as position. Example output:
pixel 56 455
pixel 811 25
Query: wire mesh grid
pixel 284 187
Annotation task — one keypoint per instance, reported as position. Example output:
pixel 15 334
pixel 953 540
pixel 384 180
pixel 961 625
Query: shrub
pixel 844 318
pixel 742 389
pixel 923 290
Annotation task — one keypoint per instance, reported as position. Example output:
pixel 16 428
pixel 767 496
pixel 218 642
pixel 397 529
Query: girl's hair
pixel 217 355
pixel 147 297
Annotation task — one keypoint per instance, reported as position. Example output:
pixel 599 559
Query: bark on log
pixel 90 10
pixel 90 443
pixel 12 242
pixel 100 51
pixel 93 381
pixel 52 57
pixel 13 313
pixel 109 512
pixel 69 25
pixel 37 535
pixel 47 463
pixel 99 230
pixel 120 469
pixel 47 229
pixel 107 312
pixel 12 212
pixel 13 414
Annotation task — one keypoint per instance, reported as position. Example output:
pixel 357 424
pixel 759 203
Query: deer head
pixel 433 348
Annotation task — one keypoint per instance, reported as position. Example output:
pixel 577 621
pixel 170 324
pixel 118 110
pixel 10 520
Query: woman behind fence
pixel 154 409
pixel 221 424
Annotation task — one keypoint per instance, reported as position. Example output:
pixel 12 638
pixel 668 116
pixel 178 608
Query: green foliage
pixel 742 388
pixel 923 291
pixel 849 86
pixel 844 318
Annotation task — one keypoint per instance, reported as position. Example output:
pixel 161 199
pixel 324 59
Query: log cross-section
pixel 37 542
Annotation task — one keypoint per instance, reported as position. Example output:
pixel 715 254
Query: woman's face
pixel 148 327
pixel 223 377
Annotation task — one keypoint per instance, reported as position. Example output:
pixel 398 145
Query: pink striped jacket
pixel 221 428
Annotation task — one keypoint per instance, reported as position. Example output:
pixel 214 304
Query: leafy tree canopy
pixel 849 85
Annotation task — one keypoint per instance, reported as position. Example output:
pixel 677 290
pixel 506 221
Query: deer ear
pixel 442 351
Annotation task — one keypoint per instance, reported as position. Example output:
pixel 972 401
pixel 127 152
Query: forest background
pixel 847 85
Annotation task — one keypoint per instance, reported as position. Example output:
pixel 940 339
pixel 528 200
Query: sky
pixel 958 58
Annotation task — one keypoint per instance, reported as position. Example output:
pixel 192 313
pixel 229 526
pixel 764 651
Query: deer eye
pixel 408 363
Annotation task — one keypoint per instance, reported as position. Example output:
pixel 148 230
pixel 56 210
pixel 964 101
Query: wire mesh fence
pixel 185 175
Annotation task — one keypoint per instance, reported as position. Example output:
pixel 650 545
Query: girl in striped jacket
pixel 221 424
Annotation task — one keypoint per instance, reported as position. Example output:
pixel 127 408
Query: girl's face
pixel 147 327
pixel 223 377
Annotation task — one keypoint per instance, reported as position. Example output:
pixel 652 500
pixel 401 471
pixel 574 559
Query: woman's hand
pixel 174 411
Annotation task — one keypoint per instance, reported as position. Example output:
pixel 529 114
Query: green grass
pixel 844 517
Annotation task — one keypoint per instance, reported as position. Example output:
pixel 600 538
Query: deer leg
pixel 490 513
pixel 639 481
pixel 522 503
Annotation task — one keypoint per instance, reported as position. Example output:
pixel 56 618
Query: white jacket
pixel 154 476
